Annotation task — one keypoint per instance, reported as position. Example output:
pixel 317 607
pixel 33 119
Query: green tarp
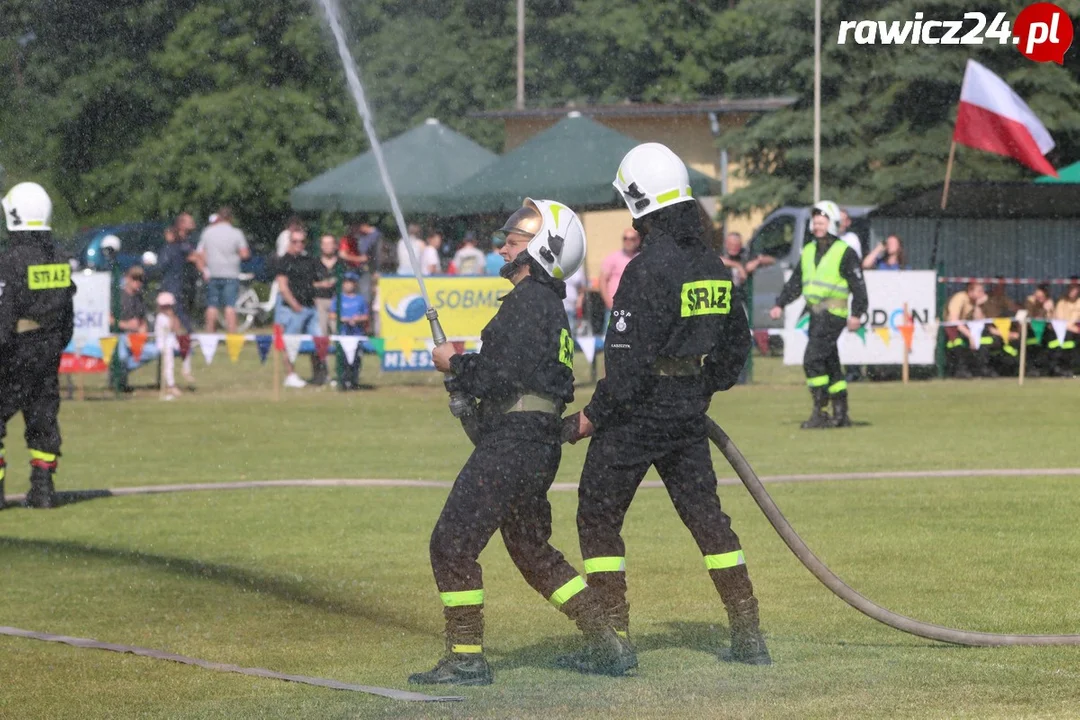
pixel 573 162
pixel 423 163
pixel 1067 174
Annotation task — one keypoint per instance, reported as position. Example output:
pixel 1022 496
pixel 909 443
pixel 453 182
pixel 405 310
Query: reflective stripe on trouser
pixel 725 560
pixel 3 468
pixel 466 649
pixel 605 564
pixel 463 597
pixel 985 340
pixel 821 361
pixel 838 387
pixel 1010 350
pixel 818 381
pixel 567 591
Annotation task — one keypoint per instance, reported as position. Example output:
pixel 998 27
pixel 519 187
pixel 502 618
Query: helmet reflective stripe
pixel 651 177
pixel 558 244
pixel 27 208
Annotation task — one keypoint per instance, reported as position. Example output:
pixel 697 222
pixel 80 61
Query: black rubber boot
pixel 610 591
pixel 737 593
pixel 818 417
pixel 605 653
pixel 319 370
pixel 840 410
pixel 747 642
pixel 41 494
pixel 3 469
pixel 464 629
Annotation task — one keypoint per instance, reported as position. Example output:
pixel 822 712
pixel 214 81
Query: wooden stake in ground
pixel 277 373
pixel 1021 317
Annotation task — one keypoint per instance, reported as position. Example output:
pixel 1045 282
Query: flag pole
pixel 948 175
pixel 1022 317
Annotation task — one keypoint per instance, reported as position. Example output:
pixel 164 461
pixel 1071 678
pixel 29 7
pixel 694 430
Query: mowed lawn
pixel 335 582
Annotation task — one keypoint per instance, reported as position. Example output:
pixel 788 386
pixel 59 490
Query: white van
pixel 781 236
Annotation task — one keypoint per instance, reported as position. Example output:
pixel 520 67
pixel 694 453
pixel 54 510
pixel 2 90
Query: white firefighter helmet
pixel 27 208
pixel 557 236
pixel 830 210
pixel 110 242
pixel 651 177
pixel 149 258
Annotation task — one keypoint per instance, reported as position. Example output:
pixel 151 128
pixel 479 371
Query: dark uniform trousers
pixel 615 464
pixel 29 383
pixel 503 486
pixel 821 362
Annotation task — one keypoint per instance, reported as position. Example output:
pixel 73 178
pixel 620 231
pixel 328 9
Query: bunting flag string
pixel 234 344
pixel 349 345
pixel 587 343
pixel 136 342
pixel 184 343
pixel 976 327
pixel 1060 328
pixel 883 333
pixel 1003 325
pixel 279 338
pixel 1039 328
pixel 322 347
pixel 108 347
pixel 379 344
pixel 208 344
pixel 262 344
pixel 292 346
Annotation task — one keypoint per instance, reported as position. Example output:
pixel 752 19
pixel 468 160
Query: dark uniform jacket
pixel 850 270
pixel 675 300
pixel 526 349
pixel 35 285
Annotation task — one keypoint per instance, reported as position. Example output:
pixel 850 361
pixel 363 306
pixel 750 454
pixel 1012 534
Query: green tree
pixel 887 111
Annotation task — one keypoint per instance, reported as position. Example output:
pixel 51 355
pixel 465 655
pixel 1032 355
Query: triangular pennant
pixel 587 343
pixel 234 343
pixel 379 344
pixel 292 345
pixel 802 323
pixel 976 327
pixel 279 339
pixel 184 343
pixel 1060 328
pixel 208 344
pixel 761 339
pixel 459 346
pixel 861 332
pixel 1038 327
pixel 1003 326
pixel 406 346
pixel 136 342
pixel 108 347
pixel 883 333
pixel 262 344
pixel 908 333
pixel 349 345
pixel 322 347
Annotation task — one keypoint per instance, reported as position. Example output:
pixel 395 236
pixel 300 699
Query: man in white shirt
pixel 847 236
pixel 576 287
pixel 469 259
pixel 404 263
pixel 430 264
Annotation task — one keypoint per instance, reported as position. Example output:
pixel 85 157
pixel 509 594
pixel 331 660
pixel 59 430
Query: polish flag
pixel 994 118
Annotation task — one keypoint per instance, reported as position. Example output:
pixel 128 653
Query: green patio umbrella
pixel 1067 174
pixel 423 163
pixel 573 162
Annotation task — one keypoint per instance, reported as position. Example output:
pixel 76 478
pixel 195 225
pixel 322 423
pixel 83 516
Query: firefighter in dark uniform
pixel 828 272
pixel 37 319
pixel 523 377
pixel 676 337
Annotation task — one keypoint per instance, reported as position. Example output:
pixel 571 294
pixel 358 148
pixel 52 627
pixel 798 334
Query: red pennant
pixel 459 346
pixel 761 337
pixel 136 341
pixel 184 341
pixel 279 339
pixel 951 332
pixel 322 347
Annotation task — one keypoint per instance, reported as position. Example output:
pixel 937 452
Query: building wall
pixel 689 136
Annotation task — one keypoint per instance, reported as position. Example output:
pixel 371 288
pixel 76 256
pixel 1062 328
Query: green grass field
pixel 335 582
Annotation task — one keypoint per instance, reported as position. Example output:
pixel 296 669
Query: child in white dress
pixel 165 339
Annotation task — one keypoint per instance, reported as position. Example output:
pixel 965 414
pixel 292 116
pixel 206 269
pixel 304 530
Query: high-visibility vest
pixel 823 284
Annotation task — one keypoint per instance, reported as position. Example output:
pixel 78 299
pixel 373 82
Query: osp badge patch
pixel 620 320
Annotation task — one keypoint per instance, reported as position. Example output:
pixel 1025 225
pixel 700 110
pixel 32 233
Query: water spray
pixel 462 406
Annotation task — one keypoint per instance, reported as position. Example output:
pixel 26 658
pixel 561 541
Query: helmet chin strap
pixel 510 269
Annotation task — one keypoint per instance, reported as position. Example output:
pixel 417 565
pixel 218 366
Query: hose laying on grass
pixel 829 579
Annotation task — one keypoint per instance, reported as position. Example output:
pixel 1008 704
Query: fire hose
pixel 843 591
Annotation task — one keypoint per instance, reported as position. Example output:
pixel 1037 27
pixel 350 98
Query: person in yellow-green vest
pixel 828 273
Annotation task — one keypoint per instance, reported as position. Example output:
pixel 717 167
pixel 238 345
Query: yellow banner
pixel 234 344
pixel 465 305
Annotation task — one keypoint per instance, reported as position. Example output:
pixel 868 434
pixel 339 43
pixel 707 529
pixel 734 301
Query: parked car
pixel 781 235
